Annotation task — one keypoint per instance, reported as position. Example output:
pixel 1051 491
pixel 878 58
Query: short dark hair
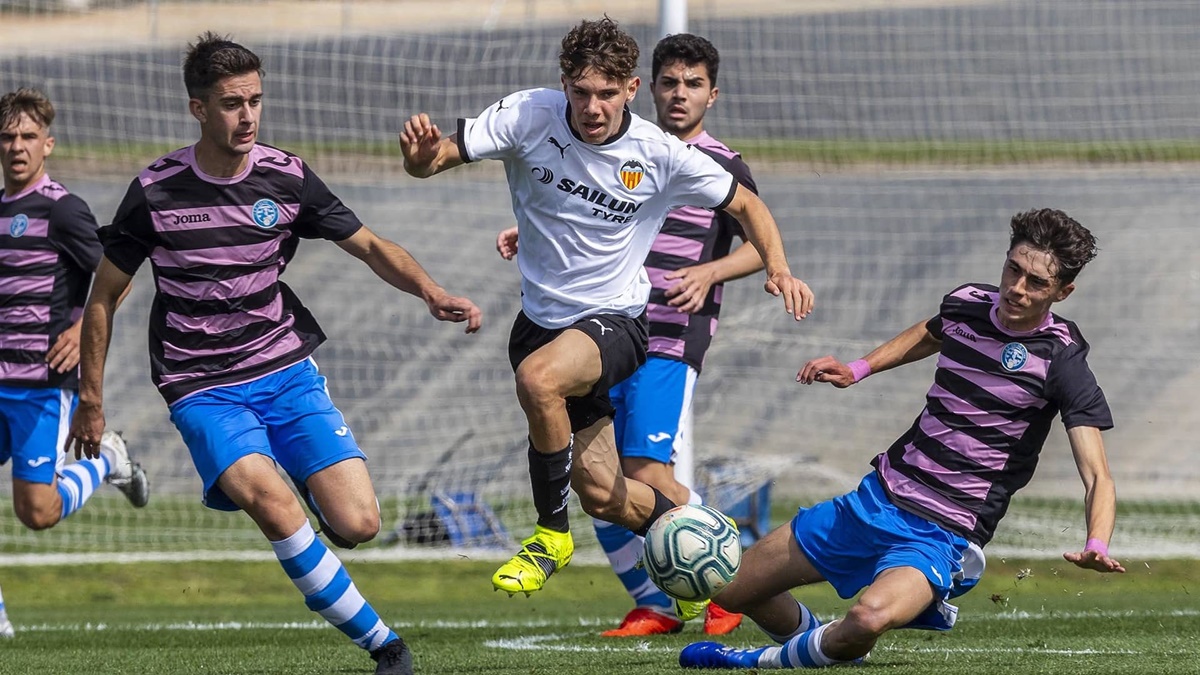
pixel 688 49
pixel 213 58
pixel 600 45
pixel 32 102
pixel 1058 234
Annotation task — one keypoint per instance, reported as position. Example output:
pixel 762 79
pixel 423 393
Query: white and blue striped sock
pixel 804 651
pixel 624 549
pixel 77 482
pixel 328 590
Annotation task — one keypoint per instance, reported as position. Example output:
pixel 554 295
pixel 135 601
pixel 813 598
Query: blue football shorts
pixel 851 539
pixel 287 416
pixel 654 410
pixel 33 427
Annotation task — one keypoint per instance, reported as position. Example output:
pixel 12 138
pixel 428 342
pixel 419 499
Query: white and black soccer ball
pixel 692 551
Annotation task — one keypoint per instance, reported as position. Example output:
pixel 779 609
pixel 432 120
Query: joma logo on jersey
pixel 192 218
pixel 631 173
pixel 611 208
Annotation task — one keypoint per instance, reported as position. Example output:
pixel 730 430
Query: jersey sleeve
pixel 73 231
pixel 1071 384
pixel 741 173
pixel 322 215
pixel 128 240
pixel 698 180
pixel 949 303
pixel 497 131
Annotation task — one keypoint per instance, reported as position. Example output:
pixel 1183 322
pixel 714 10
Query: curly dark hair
pixel 600 45
pixel 32 102
pixel 1060 235
pixel 213 58
pixel 686 48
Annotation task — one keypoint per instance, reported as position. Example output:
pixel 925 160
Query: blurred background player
pixel 231 344
pixel 49 249
pixel 687 266
pixel 591 184
pixel 912 533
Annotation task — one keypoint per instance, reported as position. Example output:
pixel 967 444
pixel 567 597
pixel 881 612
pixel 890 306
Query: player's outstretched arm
pixel 761 230
pixel 506 243
pixel 87 424
pixel 913 344
pixel 693 283
pixel 1100 500
pixel 390 262
pixel 425 151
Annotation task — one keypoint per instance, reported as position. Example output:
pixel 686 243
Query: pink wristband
pixel 859 369
pixel 1097 546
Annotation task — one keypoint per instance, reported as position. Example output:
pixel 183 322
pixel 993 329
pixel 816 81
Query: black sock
pixel 550 475
pixel 661 506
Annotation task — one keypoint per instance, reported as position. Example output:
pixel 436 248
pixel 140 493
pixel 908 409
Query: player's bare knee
pixel 360 529
pixel 536 385
pixel 865 622
pixel 38 516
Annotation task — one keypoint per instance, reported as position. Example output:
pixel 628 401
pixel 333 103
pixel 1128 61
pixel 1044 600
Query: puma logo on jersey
pixel 659 437
pixel 562 149
pixel 35 463
pixel 603 328
pixel 343 431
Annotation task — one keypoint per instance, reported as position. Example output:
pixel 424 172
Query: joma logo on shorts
pixel 192 218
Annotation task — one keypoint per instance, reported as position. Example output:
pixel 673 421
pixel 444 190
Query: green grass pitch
pixel 1026 617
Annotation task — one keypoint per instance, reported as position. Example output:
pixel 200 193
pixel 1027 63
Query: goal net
pixel 892 140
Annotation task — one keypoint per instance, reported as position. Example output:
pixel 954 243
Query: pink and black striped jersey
pixel 48 251
pixel 995 394
pixel 692 235
pixel 218 246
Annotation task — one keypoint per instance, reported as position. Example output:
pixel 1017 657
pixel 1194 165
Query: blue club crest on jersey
pixel 1014 356
pixel 19 224
pixel 265 213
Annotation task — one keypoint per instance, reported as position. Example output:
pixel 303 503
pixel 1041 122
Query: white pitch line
pixel 541 643
pixel 544 643
pixel 1014 650
pixel 580 622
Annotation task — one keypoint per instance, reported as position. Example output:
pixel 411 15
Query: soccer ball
pixel 692 552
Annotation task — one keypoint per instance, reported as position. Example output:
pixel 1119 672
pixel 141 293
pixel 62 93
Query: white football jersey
pixel 587 214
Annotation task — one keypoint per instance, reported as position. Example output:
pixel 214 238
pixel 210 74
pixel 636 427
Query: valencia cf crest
pixel 631 173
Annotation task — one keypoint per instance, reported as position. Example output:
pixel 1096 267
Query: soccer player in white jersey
pixel 231 344
pixel 591 184
pixel 49 249
pixel 912 533
pixel 690 260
